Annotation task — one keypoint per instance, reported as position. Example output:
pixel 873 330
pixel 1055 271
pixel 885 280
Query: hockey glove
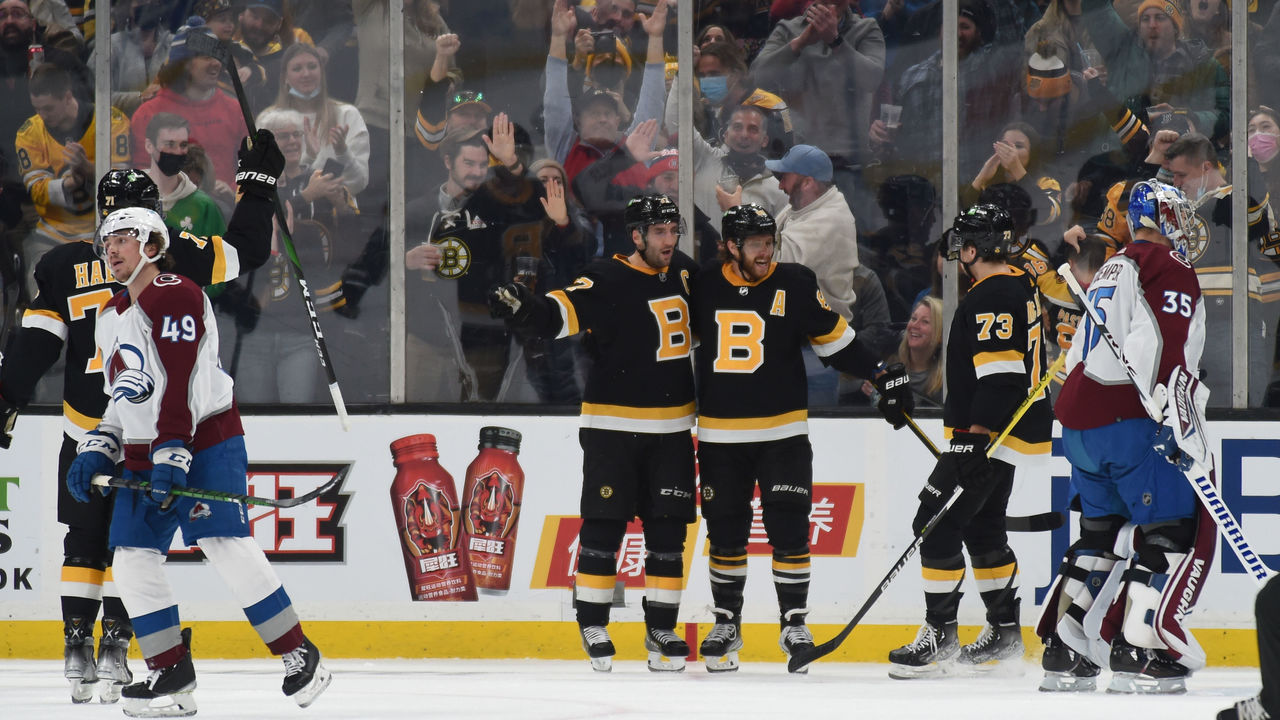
pixel 8 416
pixel 896 400
pixel 97 454
pixel 1167 445
pixel 509 302
pixel 170 463
pixel 259 167
pixel 965 464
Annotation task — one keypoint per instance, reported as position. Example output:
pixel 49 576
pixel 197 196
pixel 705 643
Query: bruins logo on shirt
pixel 1197 239
pixel 456 257
pixel 606 491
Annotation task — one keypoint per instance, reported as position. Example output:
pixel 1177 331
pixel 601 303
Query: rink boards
pixel 341 562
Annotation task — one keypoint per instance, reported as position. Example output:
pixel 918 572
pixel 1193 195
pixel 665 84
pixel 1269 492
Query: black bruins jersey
pixel 73 285
pixel 638 320
pixel 751 378
pixel 995 357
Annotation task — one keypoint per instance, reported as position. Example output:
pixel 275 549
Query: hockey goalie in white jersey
pixel 172 421
pixel 1124 590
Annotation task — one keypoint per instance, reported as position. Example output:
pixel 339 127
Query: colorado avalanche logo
pixel 199 510
pixel 129 379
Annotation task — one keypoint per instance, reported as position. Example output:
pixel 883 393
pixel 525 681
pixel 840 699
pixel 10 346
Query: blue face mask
pixel 305 96
pixel 714 87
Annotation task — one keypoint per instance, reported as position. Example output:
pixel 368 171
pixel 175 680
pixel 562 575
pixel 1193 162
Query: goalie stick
pixel 1040 522
pixel 802 657
pixel 207 45
pixel 1200 477
pixel 220 496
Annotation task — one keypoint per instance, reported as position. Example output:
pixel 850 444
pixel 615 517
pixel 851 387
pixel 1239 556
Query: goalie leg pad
pixel 1164 582
pixel 1087 581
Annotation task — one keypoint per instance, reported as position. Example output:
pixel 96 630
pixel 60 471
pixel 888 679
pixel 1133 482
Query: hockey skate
pixel 794 638
pixel 595 640
pixel 930 654
pixel 304 677
pixel 720 647
pixel 1066 670
pixel 78 666
pixel 113 659
pixel 167 692
pixel 999 645
pixel 667 651
pixel 1143 670
pixel 1250 709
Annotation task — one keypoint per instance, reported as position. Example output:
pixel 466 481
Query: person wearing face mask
pixel 725 83
pixel 185 207
pixel 1192 164
pixel 730 170
pixel 332 130
pixel 1264 147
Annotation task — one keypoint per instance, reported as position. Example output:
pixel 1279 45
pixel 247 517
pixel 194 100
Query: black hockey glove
pixel 964 464
pixel 259 167
pixel 510 301
pixel 8 416
pixel 896 400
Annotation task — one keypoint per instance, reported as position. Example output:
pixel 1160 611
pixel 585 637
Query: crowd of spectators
pixel 536 122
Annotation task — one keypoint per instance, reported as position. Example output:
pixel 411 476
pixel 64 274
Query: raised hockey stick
pixel 1040 522
pixel 803 658
pixel 219 496
pixel 207 45
pixel 1199 476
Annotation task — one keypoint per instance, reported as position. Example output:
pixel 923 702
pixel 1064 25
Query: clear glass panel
pixel 1264 200
pixel 470 223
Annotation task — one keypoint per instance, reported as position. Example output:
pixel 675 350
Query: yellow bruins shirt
pixel 751 380
pixel 64 216
pixel 995 357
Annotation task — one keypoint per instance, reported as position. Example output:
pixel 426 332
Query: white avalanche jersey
pixel 1149 298
pixel 162 371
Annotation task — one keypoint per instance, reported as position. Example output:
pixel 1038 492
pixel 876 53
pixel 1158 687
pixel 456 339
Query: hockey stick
pixel 1198 476
pixel 217 495
pixel 802 657
pixel 207 45
pixel 1040 522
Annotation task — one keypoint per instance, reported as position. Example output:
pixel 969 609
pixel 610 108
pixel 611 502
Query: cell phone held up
pixel 333 167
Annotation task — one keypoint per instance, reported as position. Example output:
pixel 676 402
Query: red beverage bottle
pixel 429 522
pixel 491 495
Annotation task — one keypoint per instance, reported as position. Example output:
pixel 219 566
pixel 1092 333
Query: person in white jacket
pixel 818 231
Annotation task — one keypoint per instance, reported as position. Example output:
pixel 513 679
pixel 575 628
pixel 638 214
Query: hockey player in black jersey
pixel 637 410
pixel 73 284
pixel 995 356
pixel 754 316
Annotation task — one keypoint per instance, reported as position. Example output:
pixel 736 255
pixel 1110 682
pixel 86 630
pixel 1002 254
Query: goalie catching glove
pixel 896 400
pixel 510 301
pixel 259 166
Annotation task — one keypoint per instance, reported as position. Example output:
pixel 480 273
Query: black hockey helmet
pixel 986 227
pixel 653 209
pixel 120 189
pixel 743 221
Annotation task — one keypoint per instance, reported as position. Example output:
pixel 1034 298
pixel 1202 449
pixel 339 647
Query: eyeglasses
pixel 14 14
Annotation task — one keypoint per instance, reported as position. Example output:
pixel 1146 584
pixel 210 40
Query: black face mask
pixel 171 163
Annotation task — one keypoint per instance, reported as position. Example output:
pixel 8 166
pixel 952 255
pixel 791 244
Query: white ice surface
pixel 567 690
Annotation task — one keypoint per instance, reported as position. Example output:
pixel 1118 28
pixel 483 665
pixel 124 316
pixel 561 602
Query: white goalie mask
pixel 141 224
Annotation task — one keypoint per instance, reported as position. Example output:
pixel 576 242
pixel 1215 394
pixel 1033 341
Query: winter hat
pixel 668 161
pixel 275 6
pixel 979 12
pixel 208 8
pixel 178 49
pixel 1047 78
pixel 1168 7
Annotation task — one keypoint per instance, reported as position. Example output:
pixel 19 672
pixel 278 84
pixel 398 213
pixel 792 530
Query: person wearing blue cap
pixel 817 230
